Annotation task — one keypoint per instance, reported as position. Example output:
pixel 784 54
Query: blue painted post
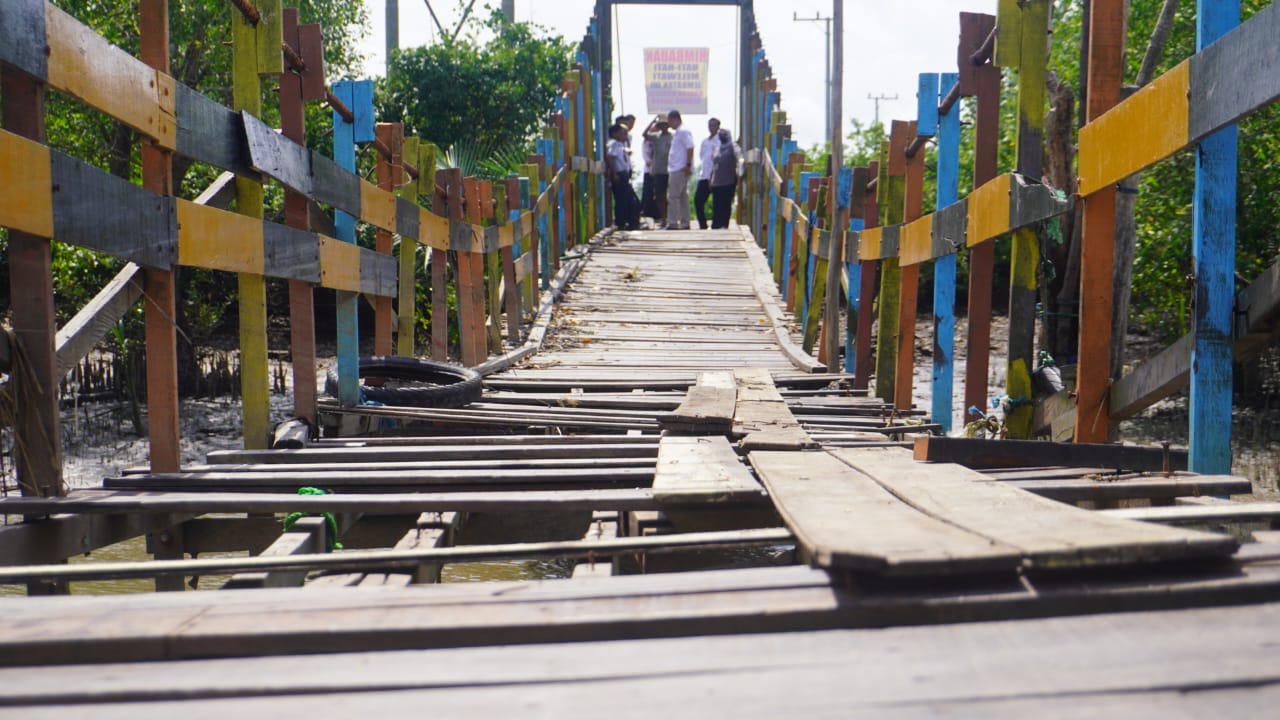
pixel 766 148
pixel 1213 252
pixel 853 278
pixel 358 96
pixel 580 117
pixel 944 268
pixel 806 290
pixel 602 132
pixel 545 148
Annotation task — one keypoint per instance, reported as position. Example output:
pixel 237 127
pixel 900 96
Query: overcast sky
pixel 887 44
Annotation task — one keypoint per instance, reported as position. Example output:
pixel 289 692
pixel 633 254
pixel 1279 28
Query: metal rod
pixel 983 54
pixel 249 12
pixel 370 559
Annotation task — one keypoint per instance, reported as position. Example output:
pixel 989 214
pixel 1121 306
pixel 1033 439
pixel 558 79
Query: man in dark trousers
pixel 706 159
pixel 626 208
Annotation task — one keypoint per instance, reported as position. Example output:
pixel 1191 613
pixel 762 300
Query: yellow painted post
pixel 255 52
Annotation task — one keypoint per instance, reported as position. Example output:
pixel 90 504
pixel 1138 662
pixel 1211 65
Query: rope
pixel 332 536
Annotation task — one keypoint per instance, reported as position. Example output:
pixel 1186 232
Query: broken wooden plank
pixel 762 416
pixel 1048 534
pixel 843 519
pixel 708 407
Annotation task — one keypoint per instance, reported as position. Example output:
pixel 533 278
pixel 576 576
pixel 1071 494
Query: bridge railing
pixel 1196 102
pixel 501 242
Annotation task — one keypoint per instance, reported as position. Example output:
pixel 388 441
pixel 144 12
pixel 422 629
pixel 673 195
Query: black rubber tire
pixel 441 385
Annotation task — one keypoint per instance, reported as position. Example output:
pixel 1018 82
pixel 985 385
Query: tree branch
pixel 465 14
pixel 1159 37
pixel 443 32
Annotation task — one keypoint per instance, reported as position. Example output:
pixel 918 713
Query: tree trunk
pixel 1126 200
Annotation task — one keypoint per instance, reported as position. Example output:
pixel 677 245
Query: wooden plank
pixel 91 323
pixel 96 210
pixel 984 453
pixel 26 173
pixel 119 504
pixel 85 65
pixel 762 416
pixel 844 519
pixel 210 133
pixel 988 209
pixel 23 37
pixel 699 468
pixel 1048 534
pixel 909 287
pixel 291 253
pixel 361 559
pixel 1152 488
pixel 1230 512
pixel 1220 92
pixel 1112 148
pixel 307 536
pixel 708 408
pixel 278 157
pixel 1110 665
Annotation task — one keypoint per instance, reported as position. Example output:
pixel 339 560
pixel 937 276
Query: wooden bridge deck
pixel 765 523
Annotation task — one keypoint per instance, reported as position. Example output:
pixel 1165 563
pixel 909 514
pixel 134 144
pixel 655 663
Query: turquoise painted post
pixel 1213 252
pixel 766 215
pixel 788 147
pixel 358 96
pixel 853 278
pixel 944 268
pixel 602 126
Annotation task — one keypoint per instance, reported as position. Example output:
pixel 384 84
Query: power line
pixel 877 99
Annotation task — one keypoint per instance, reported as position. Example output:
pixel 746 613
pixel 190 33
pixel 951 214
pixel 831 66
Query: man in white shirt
pixel 626 211
pixel 707 157
pixel 679 170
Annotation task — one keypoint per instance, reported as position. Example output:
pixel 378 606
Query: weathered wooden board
pixel 762 416
pixel 843 519
pixel 702 467
pixel 708 408
pixel 1155 487
pixel 211 133
pixel 1048 534
pixel 1123 141
pixel 1105 665
pixel 22 36
pixel 277 157
pixel 985 453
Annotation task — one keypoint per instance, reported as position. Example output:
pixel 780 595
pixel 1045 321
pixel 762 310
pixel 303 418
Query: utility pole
pixel 393 30
pixel 817 17
pixel 509 10
pixel 877 99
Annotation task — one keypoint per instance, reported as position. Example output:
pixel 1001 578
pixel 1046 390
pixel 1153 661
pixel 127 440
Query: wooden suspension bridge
pixel 725 472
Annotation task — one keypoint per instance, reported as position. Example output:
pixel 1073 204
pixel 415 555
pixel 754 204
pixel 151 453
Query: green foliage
pixel 493 94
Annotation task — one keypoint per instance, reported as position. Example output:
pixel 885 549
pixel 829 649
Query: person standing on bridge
pixel 724 179
pixel 679 170
pixel 658 130
pixel 706 158
pixel 626 210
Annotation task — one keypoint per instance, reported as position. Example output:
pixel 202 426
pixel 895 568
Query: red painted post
pixel 867 290
pixel 908 294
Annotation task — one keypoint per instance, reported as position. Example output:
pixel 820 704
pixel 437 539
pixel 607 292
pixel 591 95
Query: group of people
pixel 667 151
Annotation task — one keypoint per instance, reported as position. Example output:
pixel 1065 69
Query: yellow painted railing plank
pixel 915 244
pixel 869 244
pixel 1139 132
pixel 989 210
pixel 25 175
pixel 339 264
pixel 83 64
pixel 377 206
pixel 219 240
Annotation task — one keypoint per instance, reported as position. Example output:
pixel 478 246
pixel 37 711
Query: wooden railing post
pixel 1097 261
pixel 37 432
pixel 510 212
pixel 390 175
pixel 491 199
pixel 944 268
pixel 984 83
pixel 443 203
pixel 867 285
pixel 1024 24
pixel 854 340
pixel 909 275
pixel 357 95
pixel 161 306
pixel 1214 251
pixel 296 87
pixel 891 188
pixel 255 52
